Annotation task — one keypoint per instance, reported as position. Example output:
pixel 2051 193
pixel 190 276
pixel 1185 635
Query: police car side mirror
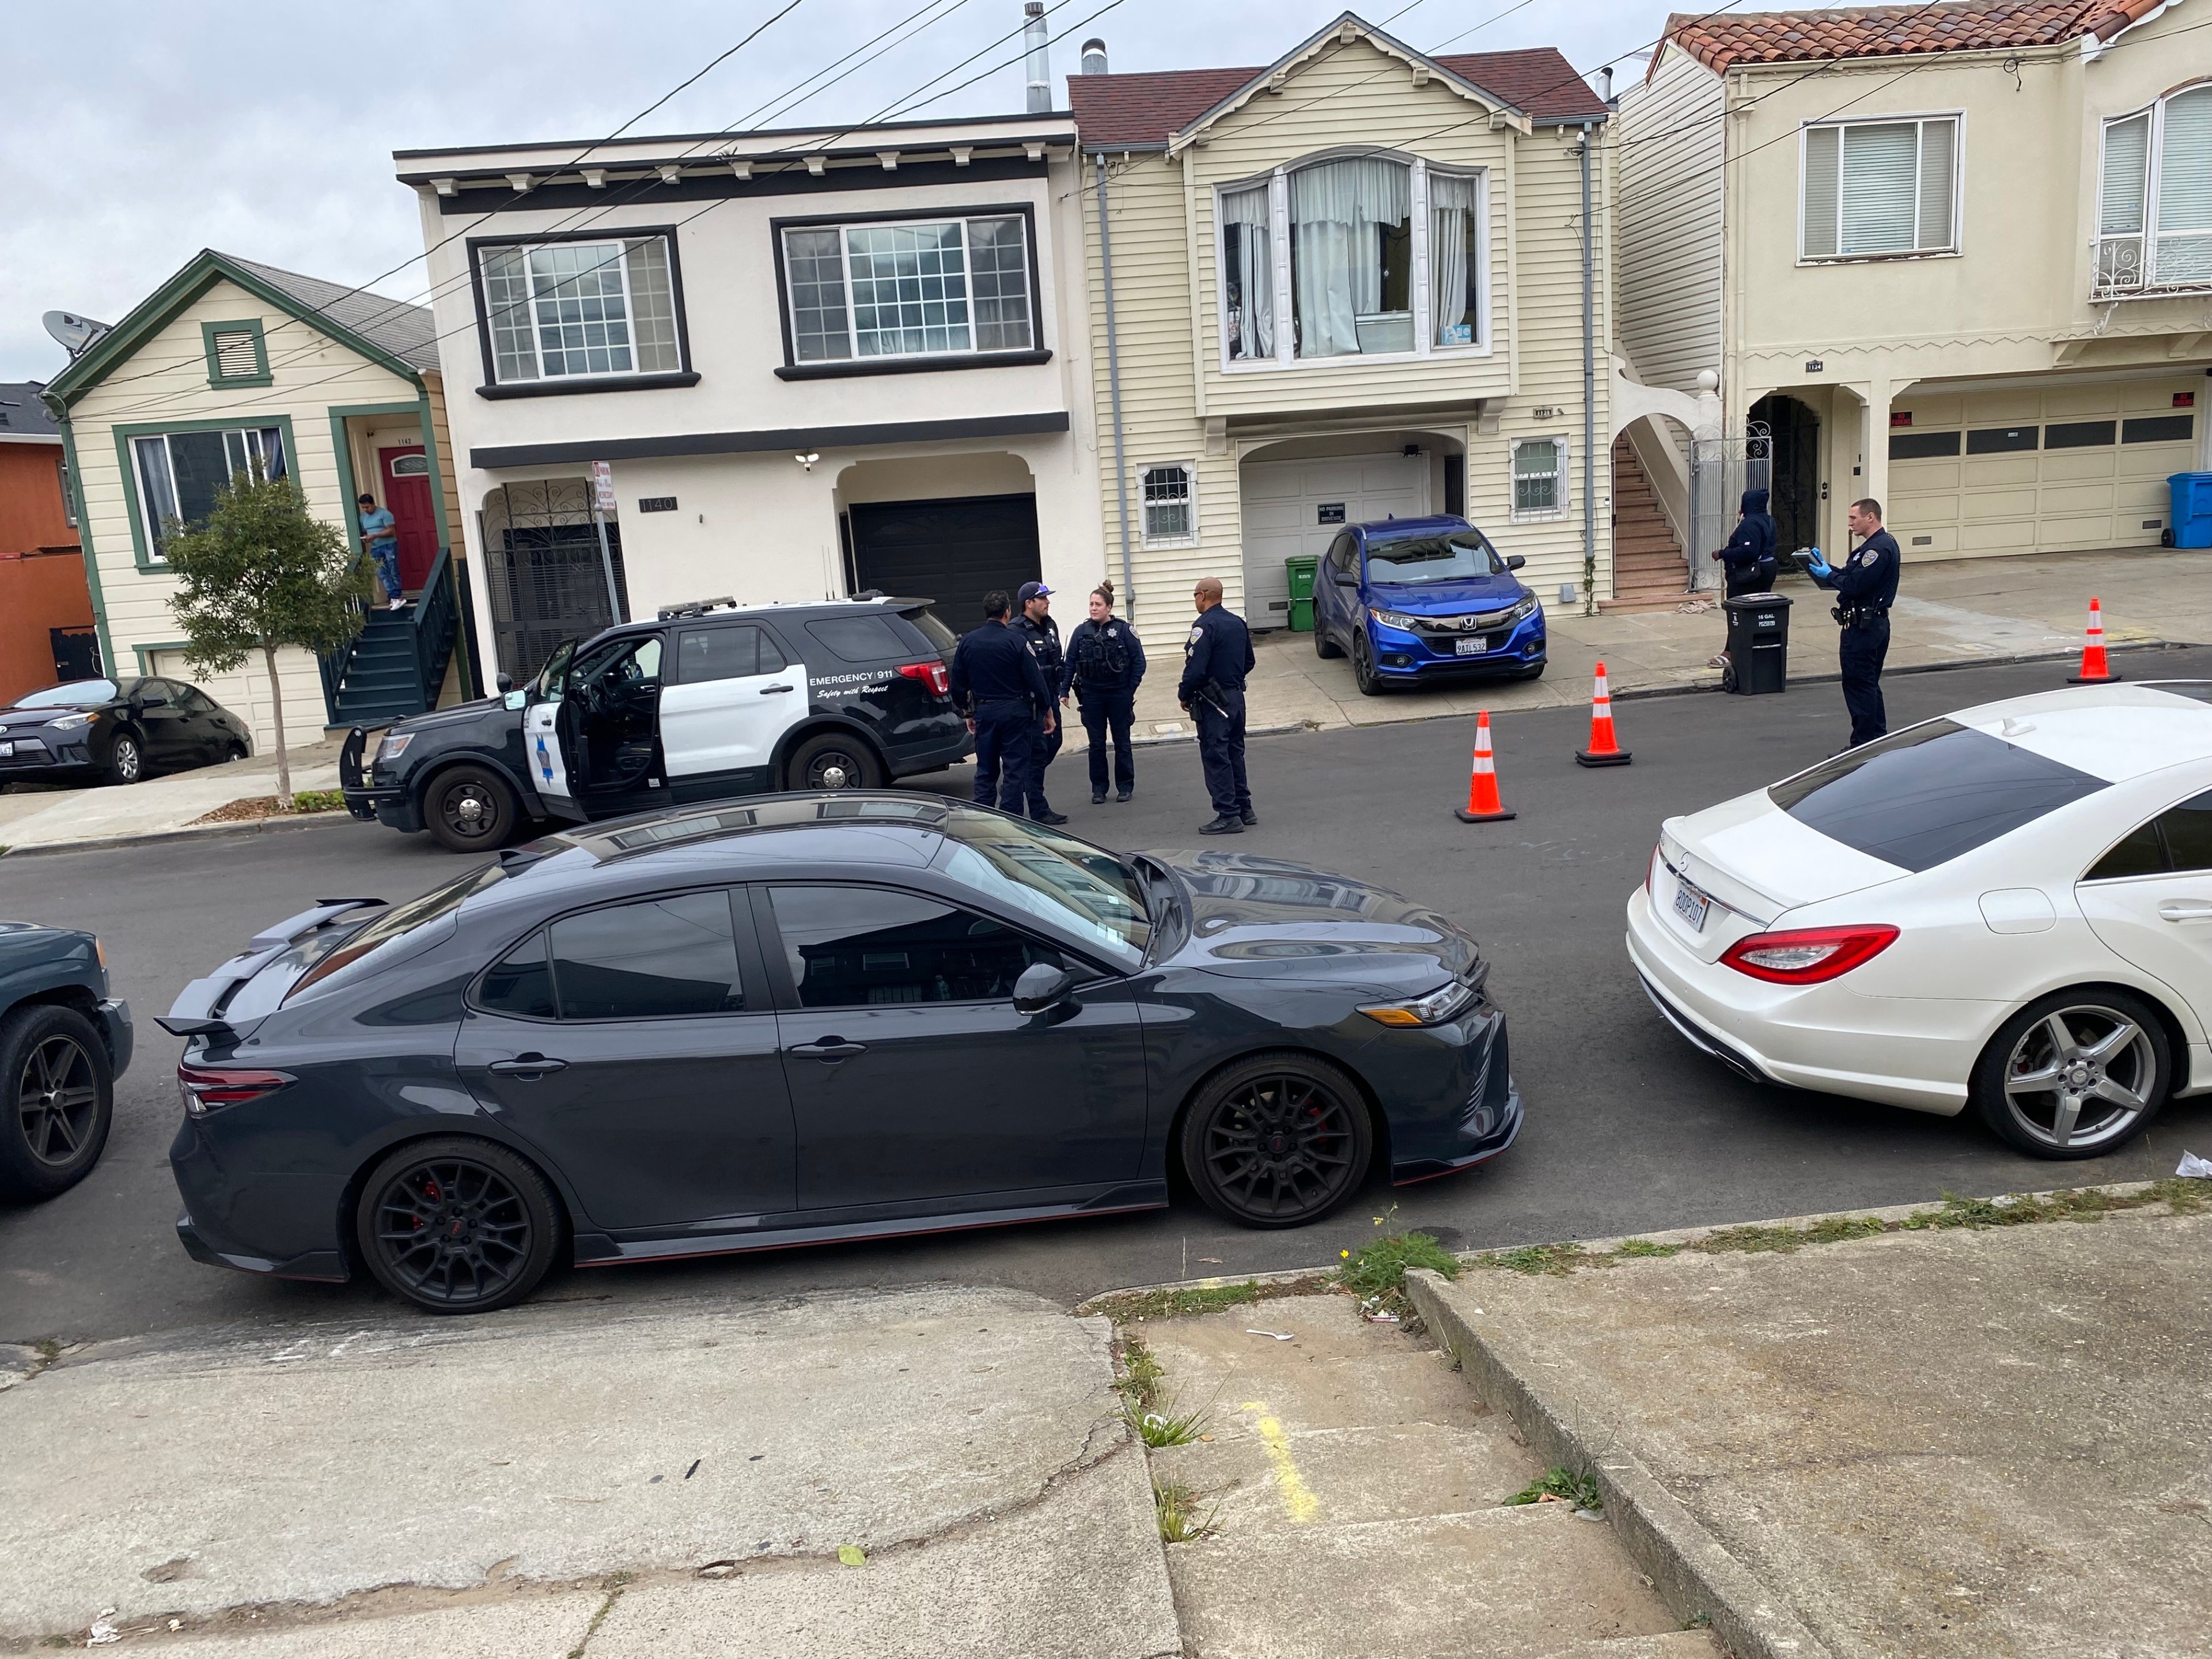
pixel 1042 986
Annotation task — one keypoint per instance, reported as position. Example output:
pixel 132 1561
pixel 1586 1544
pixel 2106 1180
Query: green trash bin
pixel 1302 568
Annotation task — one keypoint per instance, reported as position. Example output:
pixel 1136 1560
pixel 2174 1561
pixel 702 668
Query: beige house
pixel 231 367
pixel 1344 286
pixel 1958 258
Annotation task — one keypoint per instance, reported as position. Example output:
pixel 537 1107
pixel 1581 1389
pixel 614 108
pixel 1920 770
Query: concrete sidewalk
pixel 1835 1439
pixel 923 1473
pixel 33 818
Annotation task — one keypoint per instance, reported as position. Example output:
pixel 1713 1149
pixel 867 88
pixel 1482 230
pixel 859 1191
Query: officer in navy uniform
pixel 1216 658
pixel 1034 626
pixel 1105 663
pixel 997 685
pixel 1865 585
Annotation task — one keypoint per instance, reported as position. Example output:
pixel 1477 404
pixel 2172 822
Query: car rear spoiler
pixel 193 1014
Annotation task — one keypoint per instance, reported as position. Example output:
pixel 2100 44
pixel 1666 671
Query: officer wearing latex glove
pixel 1865 586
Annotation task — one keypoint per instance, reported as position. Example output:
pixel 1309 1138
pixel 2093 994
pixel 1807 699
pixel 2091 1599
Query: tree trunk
pixel 277 708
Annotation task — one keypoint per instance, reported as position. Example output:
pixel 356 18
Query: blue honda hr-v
pixel 1417 601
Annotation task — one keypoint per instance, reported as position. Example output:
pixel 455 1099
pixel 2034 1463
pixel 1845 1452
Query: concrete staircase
pixel 1648 569
pixel 1357 1484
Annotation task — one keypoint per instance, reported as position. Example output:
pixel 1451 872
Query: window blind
pixel 2127 149
pixel 2184 189
pixel 1937 140
pixel 1822 145
pixel 1880 189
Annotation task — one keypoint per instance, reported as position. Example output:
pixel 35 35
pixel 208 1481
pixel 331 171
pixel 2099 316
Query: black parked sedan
pixel 63 1041
pixel 115 732
pixel 812 1017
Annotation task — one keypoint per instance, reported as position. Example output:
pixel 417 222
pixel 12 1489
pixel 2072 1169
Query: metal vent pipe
pixel 1036 44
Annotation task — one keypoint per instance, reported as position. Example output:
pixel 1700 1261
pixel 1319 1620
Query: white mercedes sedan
pixel 2008 907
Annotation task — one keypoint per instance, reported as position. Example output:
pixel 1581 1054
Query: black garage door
pixel 953 552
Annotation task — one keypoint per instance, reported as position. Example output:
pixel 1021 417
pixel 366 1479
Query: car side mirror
pixel 505 681
pixel 1343 578
pixel 153 703
pixel 1042 986
pixel 1515 562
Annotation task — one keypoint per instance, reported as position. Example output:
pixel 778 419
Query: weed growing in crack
pixel 1184 1515
pixel 1126 1307
pixel 1562 1485
pixel 1139 1382
pixel 1171 1427
pixel 1644 1247
pixel 1557 1260
pixel 1380 1266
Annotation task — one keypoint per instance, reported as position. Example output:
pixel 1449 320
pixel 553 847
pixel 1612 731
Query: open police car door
pixel 547 737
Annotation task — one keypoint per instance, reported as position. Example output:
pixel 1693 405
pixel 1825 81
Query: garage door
pixel 1298 506
pixel 951 552
pixel 2066 467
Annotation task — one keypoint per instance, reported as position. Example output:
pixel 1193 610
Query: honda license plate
pixel 1691 905
pixel 1471 648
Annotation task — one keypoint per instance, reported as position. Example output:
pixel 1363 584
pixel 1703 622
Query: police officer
pixel 1104 664
pixel 1037 630
pixel 997 685
pixel 1216 658
pixel 1865 585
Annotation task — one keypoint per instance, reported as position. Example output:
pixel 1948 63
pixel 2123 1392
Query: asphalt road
pixel 1628 1128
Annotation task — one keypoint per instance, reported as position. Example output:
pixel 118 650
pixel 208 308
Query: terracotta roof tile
pixel 1799 36
pixel 1146 109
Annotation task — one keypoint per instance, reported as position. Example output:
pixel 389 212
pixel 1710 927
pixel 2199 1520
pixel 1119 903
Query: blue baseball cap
pixel 1033 590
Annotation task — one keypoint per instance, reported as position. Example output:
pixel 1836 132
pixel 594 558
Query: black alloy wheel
pixel 469 810
pixel 1324 646
pixel 457 1225
pixel 2074 1074
pixel 832 761
pixel 1277 1140
pixel 1363 666
pixel 126 762
pixel 60 1100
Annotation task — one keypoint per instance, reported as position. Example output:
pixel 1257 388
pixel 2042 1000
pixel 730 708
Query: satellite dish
pixel 75 332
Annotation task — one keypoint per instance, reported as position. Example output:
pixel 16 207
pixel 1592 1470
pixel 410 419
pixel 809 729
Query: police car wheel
pixel 832 761
pixel 469 810
pixel 1277 1140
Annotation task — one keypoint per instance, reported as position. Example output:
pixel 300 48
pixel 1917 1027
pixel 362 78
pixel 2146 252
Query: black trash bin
pixel 1758 643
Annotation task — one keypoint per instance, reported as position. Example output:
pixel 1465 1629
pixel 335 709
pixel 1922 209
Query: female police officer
pixel 1104 664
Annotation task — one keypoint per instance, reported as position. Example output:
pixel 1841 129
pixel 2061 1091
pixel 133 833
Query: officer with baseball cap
pixel 1033 625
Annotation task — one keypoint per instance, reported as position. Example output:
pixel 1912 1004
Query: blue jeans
pixel 386 555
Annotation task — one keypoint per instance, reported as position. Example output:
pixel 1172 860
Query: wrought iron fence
pixel 1721 470
pixel 543 571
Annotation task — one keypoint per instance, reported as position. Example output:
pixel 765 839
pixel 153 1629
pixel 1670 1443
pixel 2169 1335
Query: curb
pixel 1692 1574
pixel 261 826
pixel 1250 732
pixel 2015 660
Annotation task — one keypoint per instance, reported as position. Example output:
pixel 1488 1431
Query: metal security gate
pixel 1721 470
pixel 545 577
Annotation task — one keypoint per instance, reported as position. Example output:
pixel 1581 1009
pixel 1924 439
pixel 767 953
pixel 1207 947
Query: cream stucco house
pixel 1342 286
pixel 234 368
pixel 815 363
pixel 1958 258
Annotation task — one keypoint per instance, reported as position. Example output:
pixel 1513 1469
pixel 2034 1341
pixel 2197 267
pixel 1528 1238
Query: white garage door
pixel 2061 468
pixel 1298 506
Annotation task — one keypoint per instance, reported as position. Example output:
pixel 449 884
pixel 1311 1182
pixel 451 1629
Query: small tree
pixel 260 574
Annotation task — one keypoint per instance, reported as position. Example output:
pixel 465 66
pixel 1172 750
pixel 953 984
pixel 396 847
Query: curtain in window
pixel 1452 272
pixel 2184 189
pixel 1335 208
pixel 1880 164
pixel 1247 248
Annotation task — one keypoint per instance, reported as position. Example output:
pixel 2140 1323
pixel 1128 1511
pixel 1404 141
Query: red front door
pixel 407 493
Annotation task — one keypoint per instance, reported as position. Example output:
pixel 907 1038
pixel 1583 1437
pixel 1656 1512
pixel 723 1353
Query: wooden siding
pixel 31 512
pixel 167 379
pixel 1671 136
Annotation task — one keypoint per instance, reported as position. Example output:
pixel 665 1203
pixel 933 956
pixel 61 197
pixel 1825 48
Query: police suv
pixel 706 701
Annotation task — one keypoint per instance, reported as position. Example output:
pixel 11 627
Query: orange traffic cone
pixel 1483 806
pixel 2094 669
pixel 1603 749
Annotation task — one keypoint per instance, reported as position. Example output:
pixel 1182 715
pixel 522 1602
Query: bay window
pixel 1353 256
pixel 2154 197
pixel 1875 188
pixel 180 474
pixel 583 309
pixel 932 288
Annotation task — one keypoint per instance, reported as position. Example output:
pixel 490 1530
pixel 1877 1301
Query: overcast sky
pixel 139 133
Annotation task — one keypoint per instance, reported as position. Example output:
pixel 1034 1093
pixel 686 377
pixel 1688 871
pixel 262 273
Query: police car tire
pixel 868 770
pixel 1325 648
pixel 488 789
pixel 1335 1092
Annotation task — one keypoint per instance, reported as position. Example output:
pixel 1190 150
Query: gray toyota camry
pixel 811 1018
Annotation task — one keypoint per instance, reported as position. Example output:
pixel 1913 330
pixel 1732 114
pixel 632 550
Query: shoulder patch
pixel 1196 634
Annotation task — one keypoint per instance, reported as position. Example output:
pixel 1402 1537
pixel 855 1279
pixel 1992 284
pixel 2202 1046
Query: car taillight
pixel 931 674
pixel 210 1088
pixel 1807 956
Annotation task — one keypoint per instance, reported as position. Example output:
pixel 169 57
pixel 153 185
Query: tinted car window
pixel 1343 552
pixel 193 698
pixel 860 639
pixel 934 635
pixel 2178 840
pixel 520 982
pixel 2142 852
pixel 858 947
pixel 720 654
pixel 1924 796
pixel 666 956
pixel 1457 557
pixel 77 694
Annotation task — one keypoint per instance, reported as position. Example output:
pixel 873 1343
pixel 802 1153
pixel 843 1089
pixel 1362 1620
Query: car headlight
pixel 1526 608
pixel 394 746
pixel 1394 619
pixel 1441 1005
pixel 71 722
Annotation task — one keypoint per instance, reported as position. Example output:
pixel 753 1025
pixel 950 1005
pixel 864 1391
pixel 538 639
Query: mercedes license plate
pixel 1473 647
pixel 1691 905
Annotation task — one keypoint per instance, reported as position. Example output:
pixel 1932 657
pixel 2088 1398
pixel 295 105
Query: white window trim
pixel 1957 250
pixel 146 517
pixel 618 237
pixel 1545 516
pixel 1031 287
pixel 1190 475
pixel 1279 214
pixel 2147 238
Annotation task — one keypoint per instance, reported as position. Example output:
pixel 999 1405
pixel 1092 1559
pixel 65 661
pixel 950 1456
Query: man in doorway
pixel 1865 586
pixel 1037 630
pixel 382 541
pixel 997 686
pixel 1216 658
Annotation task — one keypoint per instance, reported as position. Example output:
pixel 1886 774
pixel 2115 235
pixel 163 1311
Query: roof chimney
pixel 1093 56
pixel 1036 41
pixel 1605 84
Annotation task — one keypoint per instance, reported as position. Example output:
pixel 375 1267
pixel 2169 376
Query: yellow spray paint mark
pixel 1299 1501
